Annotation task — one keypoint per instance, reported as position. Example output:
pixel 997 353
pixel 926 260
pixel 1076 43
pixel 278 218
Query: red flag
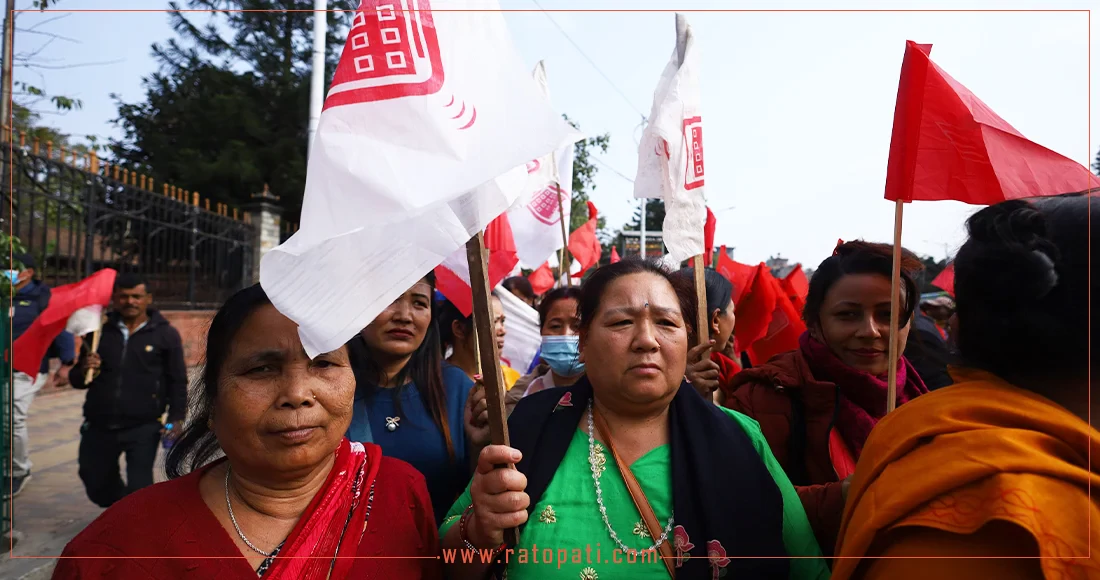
pixel 583 244
pixel 65 302
pixel 740 275
pixel 768 323
pixel 452 277
pixel 708 237
pixel 542 280
pixel 614 255
pixel 947 144
pixel 946 280
pixel 796 286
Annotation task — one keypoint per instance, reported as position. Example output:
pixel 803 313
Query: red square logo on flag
pixel 392 51
pixel 693 138
pixel 544 205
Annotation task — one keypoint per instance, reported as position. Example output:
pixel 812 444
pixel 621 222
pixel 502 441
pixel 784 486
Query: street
pixel 53 508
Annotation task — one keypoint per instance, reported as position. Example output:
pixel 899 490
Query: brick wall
pixel 192 326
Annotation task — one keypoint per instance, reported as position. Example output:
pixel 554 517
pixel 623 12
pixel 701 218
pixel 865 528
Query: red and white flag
pixel 670 155
pixel 423 140
pixel 77 308
pixel 536 221
pixel 452 277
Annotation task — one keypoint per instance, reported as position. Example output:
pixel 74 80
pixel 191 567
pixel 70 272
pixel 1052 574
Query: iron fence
pixel 76 216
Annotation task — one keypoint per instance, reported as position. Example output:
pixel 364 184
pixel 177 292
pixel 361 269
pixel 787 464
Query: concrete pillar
pixel 267 219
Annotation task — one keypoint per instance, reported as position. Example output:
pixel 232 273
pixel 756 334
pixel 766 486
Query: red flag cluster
pixel 946 280
pixel 452 277
pixel 769 311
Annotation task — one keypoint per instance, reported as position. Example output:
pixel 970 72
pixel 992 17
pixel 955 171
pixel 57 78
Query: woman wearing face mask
pixel 410 402
pixel 456 332
pixel 817 405
pixel 559 362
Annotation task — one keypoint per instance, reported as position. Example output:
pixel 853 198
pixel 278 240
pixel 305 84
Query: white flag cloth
pixel 536 223
pixel 670 154
pixel 524 336
pixel 426 110
pixel 85 320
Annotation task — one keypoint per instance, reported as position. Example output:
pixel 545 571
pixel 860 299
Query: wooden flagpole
pixel 895 311
pixel 95 347
pixel 492 376
pixel 562 266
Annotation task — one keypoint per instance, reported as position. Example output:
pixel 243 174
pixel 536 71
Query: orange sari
pixel 968 471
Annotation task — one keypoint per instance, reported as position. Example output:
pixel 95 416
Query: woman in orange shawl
pixel 990 478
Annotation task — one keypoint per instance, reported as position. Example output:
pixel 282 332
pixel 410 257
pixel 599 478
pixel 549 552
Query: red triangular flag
pixel 946 279
pixel 797 287
pixel 542 280
pixel 65 302
pixel 740 275
pixel 452 277
pixel 614 255
pixel 784 324
pixel 583 244
pixel 708 238
pixel 947 144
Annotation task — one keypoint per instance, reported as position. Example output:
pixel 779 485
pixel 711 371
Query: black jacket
pixel 928 353
pixel 138 377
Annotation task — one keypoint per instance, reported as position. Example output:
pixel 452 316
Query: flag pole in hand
pixel 492 376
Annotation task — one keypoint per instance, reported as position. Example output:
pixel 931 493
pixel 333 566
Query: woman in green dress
pixel 629 473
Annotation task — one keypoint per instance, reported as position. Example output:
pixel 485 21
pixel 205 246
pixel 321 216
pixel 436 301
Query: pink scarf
pixel 334 522
pixel 863 395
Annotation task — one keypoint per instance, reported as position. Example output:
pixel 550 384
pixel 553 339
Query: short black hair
pixel 719 289
pixel 28 261
pixel 129 280
pixel 519 286
pixel 594 288
pixel 1022 288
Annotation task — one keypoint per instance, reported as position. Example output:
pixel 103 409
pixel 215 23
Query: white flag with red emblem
pixel 425 132
pixel 670 155
pixel 536 217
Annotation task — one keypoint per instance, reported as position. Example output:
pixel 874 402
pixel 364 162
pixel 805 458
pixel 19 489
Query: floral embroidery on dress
pixel 683 544
pixel 597 460
pixel 641 530
pixel 565 401
pixel 548 516
pixel 718 560
pixel 589 574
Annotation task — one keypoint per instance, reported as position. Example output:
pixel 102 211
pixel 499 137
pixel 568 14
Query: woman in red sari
pixel 291 499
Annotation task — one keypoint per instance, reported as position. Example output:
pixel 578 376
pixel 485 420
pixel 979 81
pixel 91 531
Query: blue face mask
pixel 562 353
pixel 13 276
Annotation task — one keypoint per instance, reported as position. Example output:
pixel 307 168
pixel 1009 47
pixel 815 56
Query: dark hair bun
pixel 1012 240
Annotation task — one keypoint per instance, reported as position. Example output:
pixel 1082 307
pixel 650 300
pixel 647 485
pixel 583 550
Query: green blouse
pixel 566 537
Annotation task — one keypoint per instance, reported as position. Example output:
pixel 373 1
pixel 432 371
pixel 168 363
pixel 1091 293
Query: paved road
pixel 53 508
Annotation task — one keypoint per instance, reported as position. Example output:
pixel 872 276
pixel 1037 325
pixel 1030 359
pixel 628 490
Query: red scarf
pixel 334 522
pixel 863 395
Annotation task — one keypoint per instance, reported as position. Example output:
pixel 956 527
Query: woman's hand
pixel 702 372
pixel 476 416
pixel 497 496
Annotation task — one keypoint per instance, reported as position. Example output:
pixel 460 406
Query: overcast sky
pixel 798 106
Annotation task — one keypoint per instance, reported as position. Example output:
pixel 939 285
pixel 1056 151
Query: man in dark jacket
pixel 30 299
pixel 139 372
pixel 927 348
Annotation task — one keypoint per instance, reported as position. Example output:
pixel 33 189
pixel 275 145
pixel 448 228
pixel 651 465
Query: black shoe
pixel 17 486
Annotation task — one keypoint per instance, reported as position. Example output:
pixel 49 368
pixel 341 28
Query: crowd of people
pixel 628 436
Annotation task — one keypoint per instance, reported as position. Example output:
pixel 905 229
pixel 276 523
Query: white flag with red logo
pixel 670 155
pixel 536 217
pixel 428 124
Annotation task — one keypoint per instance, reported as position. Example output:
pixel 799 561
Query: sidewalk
pixel 53 508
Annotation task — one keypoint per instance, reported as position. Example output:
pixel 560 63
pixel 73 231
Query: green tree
pixel 584 175
pixel 228 111
pixel 932 268
pixel 30 95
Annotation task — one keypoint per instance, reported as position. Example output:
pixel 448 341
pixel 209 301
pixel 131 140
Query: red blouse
pixel 167 531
